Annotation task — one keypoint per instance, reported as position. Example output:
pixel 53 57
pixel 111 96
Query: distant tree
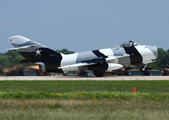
pixel 12 53
pixel 162 60
pixel 161 52
pixel 10 58
pixel 4 61
pixel 165 59
pixel 65 51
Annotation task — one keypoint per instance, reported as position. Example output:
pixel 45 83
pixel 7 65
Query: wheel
pixel 83 74
pixel 98 73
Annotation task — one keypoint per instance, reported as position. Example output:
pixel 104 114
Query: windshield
pixel 127 44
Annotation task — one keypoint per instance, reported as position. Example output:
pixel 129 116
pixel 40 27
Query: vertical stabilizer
pixel 31 50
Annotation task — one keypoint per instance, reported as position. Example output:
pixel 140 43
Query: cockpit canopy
pixel 127 44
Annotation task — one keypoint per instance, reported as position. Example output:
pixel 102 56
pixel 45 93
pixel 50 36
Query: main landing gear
pixel 98 73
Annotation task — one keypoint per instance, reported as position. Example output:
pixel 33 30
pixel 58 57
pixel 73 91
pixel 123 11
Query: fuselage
pixel 134 55
pixel 98 61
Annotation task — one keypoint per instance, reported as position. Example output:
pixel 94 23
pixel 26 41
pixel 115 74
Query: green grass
pixel 84 100
pixel 160 86
pixel 84 95
pixel 92 109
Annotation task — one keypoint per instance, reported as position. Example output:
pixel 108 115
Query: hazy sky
pixel 83 25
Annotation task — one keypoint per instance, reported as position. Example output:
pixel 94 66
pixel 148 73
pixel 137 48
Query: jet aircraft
pixel 98 61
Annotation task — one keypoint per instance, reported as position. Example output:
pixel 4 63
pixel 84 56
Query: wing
pixel 76 65
pixel 116 57
pixel 99 60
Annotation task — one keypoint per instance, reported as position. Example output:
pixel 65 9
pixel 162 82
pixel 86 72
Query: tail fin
pixel 31 50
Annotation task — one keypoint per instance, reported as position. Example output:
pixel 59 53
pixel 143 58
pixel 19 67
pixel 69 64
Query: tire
pixel 98 73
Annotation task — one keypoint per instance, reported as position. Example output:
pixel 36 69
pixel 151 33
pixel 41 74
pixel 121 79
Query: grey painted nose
pixel 154 50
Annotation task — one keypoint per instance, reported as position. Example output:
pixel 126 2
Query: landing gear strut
pixel 143 69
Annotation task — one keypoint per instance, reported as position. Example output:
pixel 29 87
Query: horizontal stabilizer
pixel 24 47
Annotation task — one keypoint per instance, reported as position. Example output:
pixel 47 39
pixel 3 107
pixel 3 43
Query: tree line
pixel 162 61
pixel 13 57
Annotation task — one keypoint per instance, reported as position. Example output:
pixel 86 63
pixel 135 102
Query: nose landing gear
pixel 143 69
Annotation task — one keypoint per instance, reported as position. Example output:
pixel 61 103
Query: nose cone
pixel 154 50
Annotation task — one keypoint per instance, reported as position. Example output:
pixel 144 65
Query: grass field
pixel 160 86
pixel 83 100
pixel 91 109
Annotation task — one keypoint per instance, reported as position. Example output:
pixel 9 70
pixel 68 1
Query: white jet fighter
pixel 98 61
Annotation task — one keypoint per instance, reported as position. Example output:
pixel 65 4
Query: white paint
pixel 107 52
pixel 68 60
pixel 111 58
pixel 38 52
pixel 18 39
pixel 146 53
pixel 113 66
pixel 74 67
pixel 21 40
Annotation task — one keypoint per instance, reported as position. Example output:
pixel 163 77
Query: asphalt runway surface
pixel 10 78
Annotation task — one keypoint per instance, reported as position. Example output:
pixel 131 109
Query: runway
pixel 27 78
